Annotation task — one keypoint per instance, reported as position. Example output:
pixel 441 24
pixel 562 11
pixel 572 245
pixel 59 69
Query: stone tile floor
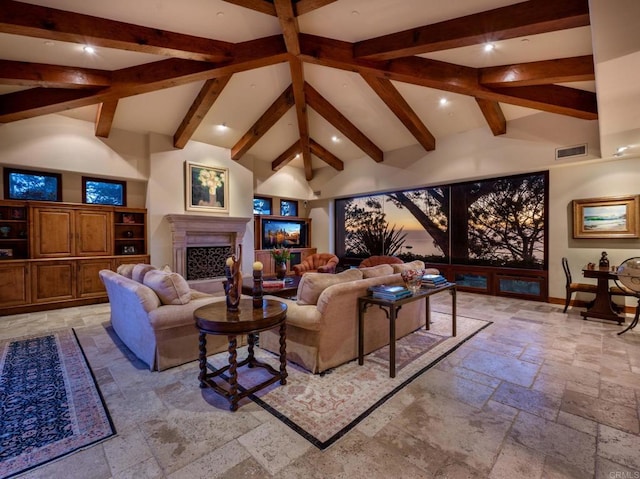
pixel 538 394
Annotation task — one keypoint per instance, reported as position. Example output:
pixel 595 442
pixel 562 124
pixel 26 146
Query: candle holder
pixel 233 289
pixel 257 289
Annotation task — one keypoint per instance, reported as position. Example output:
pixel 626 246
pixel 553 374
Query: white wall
pixel 167 192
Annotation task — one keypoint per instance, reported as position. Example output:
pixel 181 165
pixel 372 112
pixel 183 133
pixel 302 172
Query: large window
pixel 97 191
pixel 32 185
pixel 495 222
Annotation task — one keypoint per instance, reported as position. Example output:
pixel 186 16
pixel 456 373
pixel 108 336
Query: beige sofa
pixel 322 324
pixel 152 313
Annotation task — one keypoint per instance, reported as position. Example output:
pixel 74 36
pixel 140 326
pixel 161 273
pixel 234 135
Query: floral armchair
pixel 317 263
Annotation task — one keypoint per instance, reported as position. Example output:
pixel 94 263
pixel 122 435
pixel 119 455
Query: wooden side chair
pixel 572 287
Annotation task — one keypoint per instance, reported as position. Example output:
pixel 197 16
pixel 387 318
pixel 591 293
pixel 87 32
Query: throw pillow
pixel 140 270
pixel 313 284
pixel 126 269
pixel 376 271
pixel 171 288
pixel 415 264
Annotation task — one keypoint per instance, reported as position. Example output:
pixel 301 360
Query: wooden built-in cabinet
pixel 297 256
pixel 51 253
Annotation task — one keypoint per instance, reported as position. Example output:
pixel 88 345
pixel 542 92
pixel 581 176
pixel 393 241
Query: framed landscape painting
pixel 611 217
pixel 206 188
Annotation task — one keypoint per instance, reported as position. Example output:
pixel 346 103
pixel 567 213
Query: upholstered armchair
pixel 376 260
pixel 317 263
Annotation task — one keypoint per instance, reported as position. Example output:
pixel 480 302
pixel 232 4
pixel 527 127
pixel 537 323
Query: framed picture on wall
pixel 206 188
pixel 288 208
pixel 610 217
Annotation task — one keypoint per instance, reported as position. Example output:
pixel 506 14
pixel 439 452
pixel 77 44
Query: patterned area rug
pixel 324 407
pixel 50 405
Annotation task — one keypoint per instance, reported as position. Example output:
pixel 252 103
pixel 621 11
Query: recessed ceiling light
pixel 335 139
pixel 49 43
pixel 222 127
pixel 220 14
pixel 89 49
pixel 355 13
pixel 443 101
pixel 489 47
pixel 622 148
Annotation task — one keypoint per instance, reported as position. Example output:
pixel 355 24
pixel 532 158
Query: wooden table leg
pixel 427 305
pixel 283 353
pixel 361 308
pixel 453 310
pixel 202 359
pixel 392 342
pixel 233 373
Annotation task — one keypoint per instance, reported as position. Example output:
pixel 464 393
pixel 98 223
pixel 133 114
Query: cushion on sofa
pixel 140 270
pixel 313 284
pixel 126 269
pixel 171 288
pixel 375 271
pixel 415 264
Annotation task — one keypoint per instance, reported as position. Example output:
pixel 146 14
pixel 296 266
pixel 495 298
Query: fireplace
pixel 201 244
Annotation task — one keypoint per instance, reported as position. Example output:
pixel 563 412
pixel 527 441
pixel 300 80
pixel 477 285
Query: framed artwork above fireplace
pixel 206 188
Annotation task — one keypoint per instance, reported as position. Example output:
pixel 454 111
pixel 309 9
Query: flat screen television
pixel 278 233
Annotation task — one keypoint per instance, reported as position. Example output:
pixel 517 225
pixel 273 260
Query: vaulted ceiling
pixel 306 83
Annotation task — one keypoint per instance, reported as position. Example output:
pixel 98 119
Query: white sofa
pixel 152 313
pixel 322 324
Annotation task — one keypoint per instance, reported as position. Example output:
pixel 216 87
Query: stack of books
pixel 433 280
pixel 272 283
pixel 391 293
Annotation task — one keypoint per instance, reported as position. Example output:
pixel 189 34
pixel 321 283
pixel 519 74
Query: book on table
pixel 433 280
pixel 390 292
pixel 273 283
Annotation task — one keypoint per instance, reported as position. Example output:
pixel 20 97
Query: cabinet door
pixel 52 281
pixel 93 233
pixel 264 256
pixel 89 284
pixel 53 233
pixel 14 286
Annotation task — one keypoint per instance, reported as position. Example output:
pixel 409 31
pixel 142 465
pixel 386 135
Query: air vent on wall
pixel 571 151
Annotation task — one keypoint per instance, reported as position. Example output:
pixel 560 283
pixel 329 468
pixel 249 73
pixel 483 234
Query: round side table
pixel 215 319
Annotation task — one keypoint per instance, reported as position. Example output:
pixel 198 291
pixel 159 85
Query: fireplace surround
pixel 220 234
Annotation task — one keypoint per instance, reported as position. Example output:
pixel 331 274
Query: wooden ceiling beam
pixel 297 78
pixel 399 106
pixel 286 157
pixel 207 96
pixel 51 76
pixel 263 6
pixel 494 116
pixel 545 72
pixel 316 101
pixel 521 19
pixel 142 79
pixel 443 76
pixel 306 6
pixel 104 118
pixel 326 156
pixel 269 118
pixel 43 22
pixel 288 25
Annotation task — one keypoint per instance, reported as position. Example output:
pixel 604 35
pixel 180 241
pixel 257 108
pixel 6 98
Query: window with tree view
pixel 495 222
pixel 32 185
pixel 104 192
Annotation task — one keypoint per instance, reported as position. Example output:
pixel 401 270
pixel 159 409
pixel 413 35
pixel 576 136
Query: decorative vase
pixel 281 269
pixel 4 231
pixel 412 279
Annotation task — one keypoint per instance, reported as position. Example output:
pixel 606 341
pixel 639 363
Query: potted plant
pixel 280 256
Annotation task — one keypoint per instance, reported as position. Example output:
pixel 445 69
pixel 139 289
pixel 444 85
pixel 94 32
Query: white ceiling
pixel 249 94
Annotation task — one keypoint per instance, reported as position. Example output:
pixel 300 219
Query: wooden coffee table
pixel 290 287
pixel 215 319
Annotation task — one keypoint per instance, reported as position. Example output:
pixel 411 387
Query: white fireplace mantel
pixel 199 230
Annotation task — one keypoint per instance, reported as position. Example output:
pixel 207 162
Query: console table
pixel 216 319
pixel 391 309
